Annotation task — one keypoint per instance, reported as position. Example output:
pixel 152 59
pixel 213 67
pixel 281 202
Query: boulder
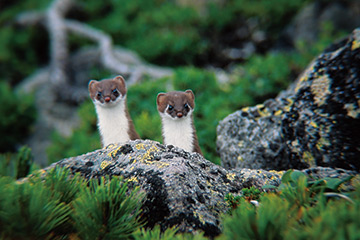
pixel 316 122
pixel 311 20
pixel 182 189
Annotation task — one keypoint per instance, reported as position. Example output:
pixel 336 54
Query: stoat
pixel 175 109
pixel 114 121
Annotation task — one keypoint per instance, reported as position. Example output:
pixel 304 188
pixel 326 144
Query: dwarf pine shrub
pixel 29 211
pixel 17 165
pixel 104 211
pixel 300 208
pixel 57 205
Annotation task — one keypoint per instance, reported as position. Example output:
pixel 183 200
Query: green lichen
pixel 356 42
pixel 353 110
pixel 320 88
pixel 308 158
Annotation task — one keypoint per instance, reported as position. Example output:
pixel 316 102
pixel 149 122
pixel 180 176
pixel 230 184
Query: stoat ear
pixel 120 79
pixel 190 93
pixel 160 98
pixel 91 84
pixel 122 85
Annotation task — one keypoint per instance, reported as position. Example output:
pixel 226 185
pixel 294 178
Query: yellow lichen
pixel 140 146
pixel 279 173
pixel 240 158
pixel 245 109
pixel 111 145
pixel 322 142
pixel 314 124
pixel 320 88
pixel 200 217
pixel 290 103
pixel 295 144
pixel 241 143
pixel 278 112
pixel 355 181
pixel 356 42
pixel 259 106
pixel 352 110
pixel 133 179
pixel 113 153
pixel 319 145
pixel 161 164
pixel 147 156
pixel 309 158
pixel 104 164
pixel 305 76
pixel 355 45
pixel 263 112
pixel 230 176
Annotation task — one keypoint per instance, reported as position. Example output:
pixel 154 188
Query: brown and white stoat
pixel 175 109
pixel 114 121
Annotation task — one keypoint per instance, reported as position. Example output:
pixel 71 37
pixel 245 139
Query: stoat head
pixel 107 92
pixel 176 105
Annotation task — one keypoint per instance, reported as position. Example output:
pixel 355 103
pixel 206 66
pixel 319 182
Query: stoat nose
pixel 107 99
pixel 179 114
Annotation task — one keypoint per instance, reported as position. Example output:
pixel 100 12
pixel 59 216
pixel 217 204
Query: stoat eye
pixel 99 94
pixel 115 92
pixel 186 106
pixel 170 107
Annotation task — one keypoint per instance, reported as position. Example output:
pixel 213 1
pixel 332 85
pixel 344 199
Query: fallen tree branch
pixel 117 60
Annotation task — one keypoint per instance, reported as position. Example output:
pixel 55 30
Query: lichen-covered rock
pixel 316 122
pixel 182 189
pixel 252 138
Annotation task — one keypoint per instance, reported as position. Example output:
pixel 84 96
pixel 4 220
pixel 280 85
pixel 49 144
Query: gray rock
pixel 182 189
pixel 251 138
pixel 308 23
pixel 315 122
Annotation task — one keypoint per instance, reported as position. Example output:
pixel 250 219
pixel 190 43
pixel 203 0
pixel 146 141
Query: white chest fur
pixel 113 123
pixel 178 132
